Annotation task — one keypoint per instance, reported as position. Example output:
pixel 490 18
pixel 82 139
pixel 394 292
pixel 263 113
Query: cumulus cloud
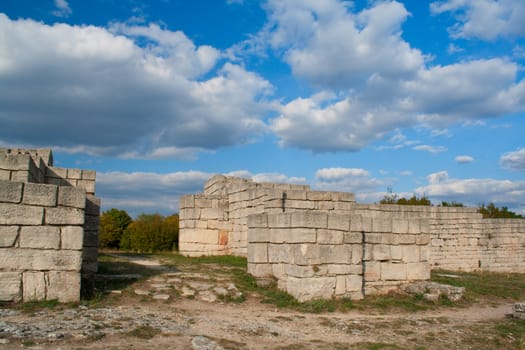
pixel 464 159
pixel 97 90
pixel 514 160
pixel 62 9
pixel 484 19
pixel 382 84
pixel 267 177
pixel 473 192
pixel 356 180
pixel 431 149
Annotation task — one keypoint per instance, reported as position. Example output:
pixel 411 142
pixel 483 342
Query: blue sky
pixel 424 98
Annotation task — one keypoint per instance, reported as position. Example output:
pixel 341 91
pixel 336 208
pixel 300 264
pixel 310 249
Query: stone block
pixel 353 237
pixel 357 254
pixel 309 220
pixel 304 289
pixel 186 201
pixel 15 162
pixel 343 269
pixel 258 220
pixel 283 220
pixel 256 235
pixel 16 214
pixel 399 225
pixel 260 270
pixel 64 216
pixel 293 235
pixel 53 172
pixel 299 271
pixel 396 252
pixel 34 285
pixel 56 282
pixel 87 185
pixel 258 253
pixel 279 253
pixel 190 214
pixel 75 174
pixel 418 271
pixel 380 252
pixel 410 253
pixel 414 226
pixel 424 239
pixel 325 205
pixel 71 197
pixel 89 175
pixel 72 237
pixel 329 236
pixel 8 235
pixel 10 285
pixel 40 237
pixel 203 236
pixel 339 222
pixel 33 259
pixel 298 204
pixel 211 213
pixel 382 225
pixel 393 272
pixel 372 270
pixel 11 192
pixel 5 175
pixel 319 196
pixel 40 194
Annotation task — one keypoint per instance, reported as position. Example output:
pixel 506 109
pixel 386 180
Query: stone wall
pixel 325 255
pixel 215 222
pixel 48 227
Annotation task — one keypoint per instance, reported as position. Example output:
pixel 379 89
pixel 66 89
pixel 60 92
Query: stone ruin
pixel 49 220
pixel 320 244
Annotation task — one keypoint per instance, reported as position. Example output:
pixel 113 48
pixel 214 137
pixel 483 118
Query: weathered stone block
pixel 380 252
pixel 293 235
pixel 71 197
pixel 10 285
pixel 393 271
pixel 329 236
pixel 353 237
pixel 203 236
pixel 34 285
pixel 74 174
pixel 396 252
pixel 309 220
pixel 344 269
pixel 260 270
pixel 382 225
pixel 354 283
pixel 53 172
pixel 339 222
pixel 283 220
pixel 211 213
pixel 257 253
pixel 190 214
pixel 411 253
pixel 187 201
pixel 72 237
pixel 304 289
pixel 33 259
pixel 40 194
pixel 11 191
pixel 258 235
pixel 8 235
pixel 89 175
pixel 319 196
pixel 258 220
pixel 372 270
pixel 16 214
pixel 87 185
pixel 279 253
pixel 299 271
pixel 5 175
pixel 15 162
pixel 418 271
pixel 64 216
pixel 399 225
pixel 57 281
pixel 40 237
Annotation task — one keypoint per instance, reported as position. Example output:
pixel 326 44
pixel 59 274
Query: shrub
pixel 112 225
pixel 151 233
pixel 492 211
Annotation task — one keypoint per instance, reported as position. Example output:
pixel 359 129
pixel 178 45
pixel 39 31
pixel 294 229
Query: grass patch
pixel 144 332
pixel 35 306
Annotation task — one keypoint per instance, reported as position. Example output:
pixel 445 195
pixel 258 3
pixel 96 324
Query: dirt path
pixel 203 320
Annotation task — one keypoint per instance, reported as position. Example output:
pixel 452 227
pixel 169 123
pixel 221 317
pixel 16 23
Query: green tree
pixel 492 211
pixel 414 200
pixel 112 225
pixel 151 233
pixel 452 204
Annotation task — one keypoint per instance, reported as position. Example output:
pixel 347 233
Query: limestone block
pixel 57 280
pixel 325 205
pixel 344 269
pixel 309 220
pixel 202 224
pixel 258 235
pixel 346 197
pixel 340 285
pixel 293 235
pixel 89 175
pixel 186 201
pixel 75 174
pixel 411 253
pixel 72 237
pixel 296 195
pixel 190 214
pixel 298 271
pixel 414 226
pixel 343 206
pixel 424 253
pixel 87 185
pixel 39 194
pixel 64 216
pixel 279 253
pixel 399 225
pixel 424 239
pixel 71 197
pixel 319 196
pixel 11 191
pixel 5 175
pixel 357 254
pixel 383 225
pixel 8 235
pixel 380 252
pixel 53 172
pixel 283 220
pixel 396 252
pixel 203 236
pixel 360 223
pixel 353 237
pixel 40 237
pixel 14 162
pixel 10 284
pixel 339 222
pixel 330 236
pixel 258 220
pixel 298 204
pixel 257 253
pixel 404 239
pixel 304 289
pixel 278 271
pixel 372 270
pixel 418 271
pixel 15 214
pixel 393 271
pixel 34 285
pixel 34 259
pixel 260 270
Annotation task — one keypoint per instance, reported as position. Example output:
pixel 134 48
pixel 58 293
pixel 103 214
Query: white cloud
pixel 95 90
pixel 431 149
pixel 464 159
pixel 484 19
pixel 355 180
pixel 62 9
pixel 473 192
pixel 514 160
pixel 382 84
pixel 267 177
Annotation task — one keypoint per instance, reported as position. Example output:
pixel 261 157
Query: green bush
pixel 151 233
pixel 112 225
pixel 493 212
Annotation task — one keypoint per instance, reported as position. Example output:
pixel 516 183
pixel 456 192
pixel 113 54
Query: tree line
pixel 147 233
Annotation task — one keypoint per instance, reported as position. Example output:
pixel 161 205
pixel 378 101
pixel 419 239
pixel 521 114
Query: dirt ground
pixel 131 319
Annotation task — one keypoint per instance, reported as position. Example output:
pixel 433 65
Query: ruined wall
pixel 48 227
pixel 325 255
pixel 215 222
